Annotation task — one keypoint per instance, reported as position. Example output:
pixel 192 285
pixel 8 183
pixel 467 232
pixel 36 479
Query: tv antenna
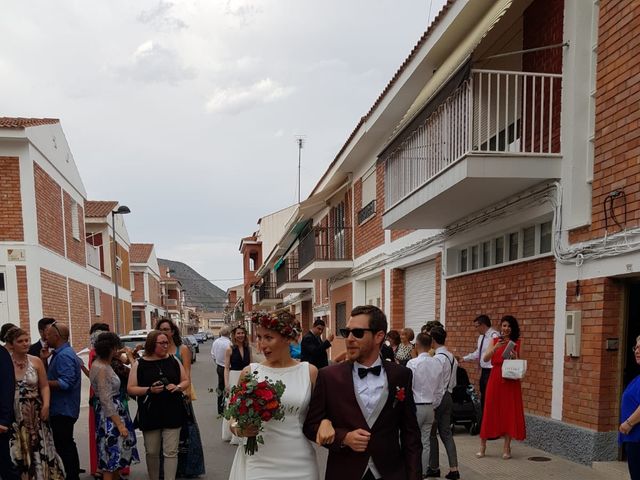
pixel 300 140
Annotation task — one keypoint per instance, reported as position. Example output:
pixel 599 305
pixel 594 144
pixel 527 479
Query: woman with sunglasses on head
pixel 286 454
pixel 190 459
pixel 115 436
pixel 236 358
pixel 158 380
pixel 32 447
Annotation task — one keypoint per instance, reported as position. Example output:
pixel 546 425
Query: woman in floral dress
pixel 116 438
pixel 32 448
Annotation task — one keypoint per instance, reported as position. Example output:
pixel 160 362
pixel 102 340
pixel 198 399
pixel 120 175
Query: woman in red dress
pixel 503 414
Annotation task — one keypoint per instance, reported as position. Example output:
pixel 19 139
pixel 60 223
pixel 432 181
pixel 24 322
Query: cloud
pixel 160 17
pixel 236 99
pixel 153 63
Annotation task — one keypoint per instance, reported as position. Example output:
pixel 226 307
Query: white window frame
pixel 75 220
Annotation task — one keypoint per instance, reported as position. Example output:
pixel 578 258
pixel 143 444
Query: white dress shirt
pixel 427 376
pixel 484 342
pixel 449 369
pixel 369 389
pixel 218 349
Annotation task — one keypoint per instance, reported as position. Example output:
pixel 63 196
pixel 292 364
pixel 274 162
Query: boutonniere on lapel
pixel 399 397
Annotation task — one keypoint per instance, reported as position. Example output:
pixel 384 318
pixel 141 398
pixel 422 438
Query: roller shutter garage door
pixel 419 295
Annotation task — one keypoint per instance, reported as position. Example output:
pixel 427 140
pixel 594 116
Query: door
pixel 419 295
pixel 4 307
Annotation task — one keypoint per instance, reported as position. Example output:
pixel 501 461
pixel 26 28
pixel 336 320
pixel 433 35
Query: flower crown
pixel 279 322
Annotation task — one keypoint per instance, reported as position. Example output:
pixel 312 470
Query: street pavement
pixel 219 455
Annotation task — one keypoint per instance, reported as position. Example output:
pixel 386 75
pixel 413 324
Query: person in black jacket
pixel 7 393
pixel 37 347
pixel 313 348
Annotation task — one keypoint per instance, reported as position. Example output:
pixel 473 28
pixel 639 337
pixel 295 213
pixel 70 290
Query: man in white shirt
pixel 218 349
pixel 485 341
pixel 442 414
pixel 427 376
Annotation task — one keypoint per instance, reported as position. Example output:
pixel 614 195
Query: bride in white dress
pixel 286 452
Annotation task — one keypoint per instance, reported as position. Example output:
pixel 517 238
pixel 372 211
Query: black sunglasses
pixel 356 332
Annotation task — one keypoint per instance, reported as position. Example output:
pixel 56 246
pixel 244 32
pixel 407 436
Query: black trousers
pixel 484 379
pixel 633 459
pixel 62 429
pixel 7 469
pixel 220 371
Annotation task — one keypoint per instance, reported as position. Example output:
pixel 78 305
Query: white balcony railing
pixel 93 256
pixel 493 112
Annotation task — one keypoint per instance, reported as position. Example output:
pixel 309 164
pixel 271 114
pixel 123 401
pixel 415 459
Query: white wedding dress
pixel 286 452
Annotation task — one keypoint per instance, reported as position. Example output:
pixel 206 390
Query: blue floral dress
pixel 114 451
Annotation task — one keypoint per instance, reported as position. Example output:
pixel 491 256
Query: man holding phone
pixel 485 340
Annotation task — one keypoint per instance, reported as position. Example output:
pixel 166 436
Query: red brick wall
pixel 54 296
pixel 48 211
pixel 370 234
pixel 137 295
pixel 525 290
pixel 107 315
pixel 23 298
pixel 396 322
pixel 248 274
pixel 75 248
pixel 11 227
pixel 80 314
pixel 592 381
pixel 124 277
pixel 617 132
pixel 342 294
pixel 542 26
pixel 154 291
pixel 396 234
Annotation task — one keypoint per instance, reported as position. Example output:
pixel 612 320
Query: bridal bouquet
pixel 253 402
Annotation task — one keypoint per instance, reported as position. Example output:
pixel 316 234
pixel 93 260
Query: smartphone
pixel 508 349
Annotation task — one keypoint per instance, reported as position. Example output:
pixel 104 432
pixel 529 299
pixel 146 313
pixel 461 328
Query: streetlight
pixel 122 210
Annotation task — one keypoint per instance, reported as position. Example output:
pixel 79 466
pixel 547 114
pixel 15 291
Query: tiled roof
pixel 139 252
pixel 98 208
pixel 10 122
pixel 391 83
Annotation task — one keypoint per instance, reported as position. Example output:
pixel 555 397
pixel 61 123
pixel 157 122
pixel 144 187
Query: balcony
pixel 171 302
pixel 287 279
pixel 494 136
pixel 265 295
pixel 325 252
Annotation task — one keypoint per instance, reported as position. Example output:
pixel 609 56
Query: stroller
pixel 467 410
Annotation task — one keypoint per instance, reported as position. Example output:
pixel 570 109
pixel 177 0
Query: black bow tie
pixel 362 372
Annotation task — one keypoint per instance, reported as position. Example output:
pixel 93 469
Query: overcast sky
pixel 187 111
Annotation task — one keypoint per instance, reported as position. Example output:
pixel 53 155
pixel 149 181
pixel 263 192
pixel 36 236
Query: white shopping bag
pixel 514 369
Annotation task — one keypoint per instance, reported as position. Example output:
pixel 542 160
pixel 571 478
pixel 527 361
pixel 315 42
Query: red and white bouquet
pixel 253 402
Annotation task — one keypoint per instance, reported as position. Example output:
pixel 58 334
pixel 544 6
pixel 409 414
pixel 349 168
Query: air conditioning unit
pixel 118 262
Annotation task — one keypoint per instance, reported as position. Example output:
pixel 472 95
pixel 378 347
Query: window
pixel 474 257
pixel 592 88
pixel 132 282
pixel 463 260
pixel 341 315
pixel 368 187
pixel 529 241
pixel 545 237
pixel 525 242
pixel 513 246
pixel 137 320
pixel 96 301
pixel 252 262
pixel 499 250
pixel 75 222
pixel 486 254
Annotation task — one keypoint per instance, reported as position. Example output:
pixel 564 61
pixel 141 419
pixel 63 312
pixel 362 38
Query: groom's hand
pixel 357 440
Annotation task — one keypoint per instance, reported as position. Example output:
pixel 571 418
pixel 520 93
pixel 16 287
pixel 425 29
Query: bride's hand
pixel 248 431
pixel 326 433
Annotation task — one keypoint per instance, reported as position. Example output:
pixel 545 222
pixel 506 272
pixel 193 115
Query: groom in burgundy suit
pixel 370 404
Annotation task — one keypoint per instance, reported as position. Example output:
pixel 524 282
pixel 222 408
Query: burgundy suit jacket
pixel 394 445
